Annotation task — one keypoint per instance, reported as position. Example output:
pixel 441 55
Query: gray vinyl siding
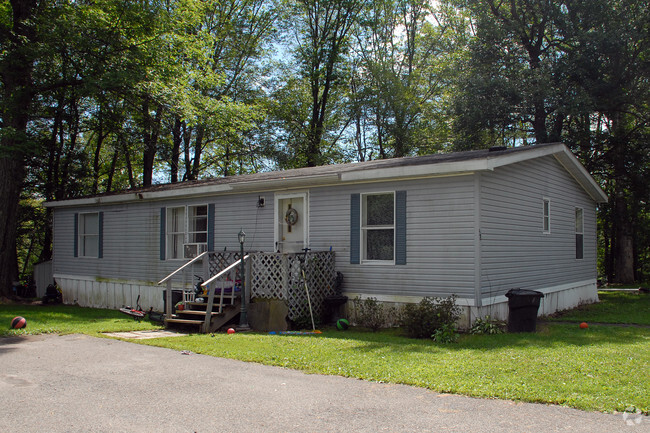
pixel 236 212
pixel 463 233
pixel 131 236
pixel 515 253
pixel 439 238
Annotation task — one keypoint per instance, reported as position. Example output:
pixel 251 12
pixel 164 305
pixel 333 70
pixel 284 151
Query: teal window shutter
pixel 76 235
pixel 355 229
pixel 163 232
pixel 100 246
pixel 211 227
pixel 400 227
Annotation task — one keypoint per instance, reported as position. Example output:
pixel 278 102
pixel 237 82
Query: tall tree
pixel 610 60
pixel 542 70
pixel 402 46
pixel 323 31
pixel 513 84
pixel 20 31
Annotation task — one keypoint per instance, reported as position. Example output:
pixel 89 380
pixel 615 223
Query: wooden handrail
pixel 205 284
pixel 183 267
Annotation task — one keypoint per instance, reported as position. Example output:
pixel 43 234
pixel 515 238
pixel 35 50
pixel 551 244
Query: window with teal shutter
pixel 400 228
pixel 163 231
pixel 100 247
pixel 76 236
pixel 211 227
pixel 88 234
pixel 355 232
pixel 378 228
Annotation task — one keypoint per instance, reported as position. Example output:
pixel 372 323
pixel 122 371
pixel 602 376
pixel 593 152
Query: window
pixel 579 233
pixel 187 231
pixel 378 226
pixel 88 232
pixel 546 218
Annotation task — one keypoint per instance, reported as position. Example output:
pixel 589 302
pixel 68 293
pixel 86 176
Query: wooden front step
pixel 194 315
pixel 184 321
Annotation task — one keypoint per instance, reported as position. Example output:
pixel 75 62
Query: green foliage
pixel 487 325
pixel 447 333
pixel 372 314
pixel 304 320
pixel 422 320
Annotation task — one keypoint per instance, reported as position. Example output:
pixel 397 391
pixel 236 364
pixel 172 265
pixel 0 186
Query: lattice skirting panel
pixel 280 276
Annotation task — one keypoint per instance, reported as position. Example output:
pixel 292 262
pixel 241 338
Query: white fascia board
pixel 409 171
pixel 142 196
pixel 285 183
pixel 530 153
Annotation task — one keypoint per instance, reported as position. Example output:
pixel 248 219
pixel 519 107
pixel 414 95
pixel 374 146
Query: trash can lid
pixel 523 292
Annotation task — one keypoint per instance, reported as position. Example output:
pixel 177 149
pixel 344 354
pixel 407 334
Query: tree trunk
pixel 16 67
pixel 127 159
pixel 11 181
pixel 187 139
pixel 176 149
pixel 198 149
pixel 150 137
pixel 624 231
pixel 111 172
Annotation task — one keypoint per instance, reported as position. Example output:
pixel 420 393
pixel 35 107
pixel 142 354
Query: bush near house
pixel 430 315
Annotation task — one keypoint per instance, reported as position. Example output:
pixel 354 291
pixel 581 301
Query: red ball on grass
pixel 584 325
pixel 18 322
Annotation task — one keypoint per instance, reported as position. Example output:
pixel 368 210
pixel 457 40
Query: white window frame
pixel 187 249
pixel 365 228
pixel 84 235
pixel 580 232
pixel 546 216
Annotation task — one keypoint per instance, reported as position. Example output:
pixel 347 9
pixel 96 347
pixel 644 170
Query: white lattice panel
pixel 279 276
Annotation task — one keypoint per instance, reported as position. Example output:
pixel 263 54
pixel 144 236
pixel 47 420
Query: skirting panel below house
pixel 88 292
pixel 555 299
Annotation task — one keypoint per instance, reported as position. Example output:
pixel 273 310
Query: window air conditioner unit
pixel 192 250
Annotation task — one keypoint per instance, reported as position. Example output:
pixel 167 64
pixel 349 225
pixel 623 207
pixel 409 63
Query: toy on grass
pixel 18 322
pixel 231 330
pixel 342 324
pixel 584 325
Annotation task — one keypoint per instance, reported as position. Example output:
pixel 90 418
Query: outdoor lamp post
pixel 243 316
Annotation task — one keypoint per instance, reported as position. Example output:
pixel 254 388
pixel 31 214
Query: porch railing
pixel 168 279
pixel 268 276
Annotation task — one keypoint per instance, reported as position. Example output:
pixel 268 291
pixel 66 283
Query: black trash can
pixel 522 309
pixel 177 296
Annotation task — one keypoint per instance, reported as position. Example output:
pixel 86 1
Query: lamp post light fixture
pixel 243 315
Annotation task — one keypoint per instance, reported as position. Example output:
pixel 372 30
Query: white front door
pixel 291 223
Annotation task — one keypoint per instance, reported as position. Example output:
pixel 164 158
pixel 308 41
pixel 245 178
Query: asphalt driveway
pixel 76 383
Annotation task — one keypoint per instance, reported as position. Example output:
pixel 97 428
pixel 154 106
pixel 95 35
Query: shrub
pixel 447 333
pixel 422 320
pixel 303 321
pixel 487 325
pixel 370 313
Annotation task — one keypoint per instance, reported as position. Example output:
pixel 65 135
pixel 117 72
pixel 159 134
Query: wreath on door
pixel 291 217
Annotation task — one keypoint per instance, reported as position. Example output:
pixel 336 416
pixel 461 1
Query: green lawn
pixel 614 307
pixel 67 319
pixel 603 368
